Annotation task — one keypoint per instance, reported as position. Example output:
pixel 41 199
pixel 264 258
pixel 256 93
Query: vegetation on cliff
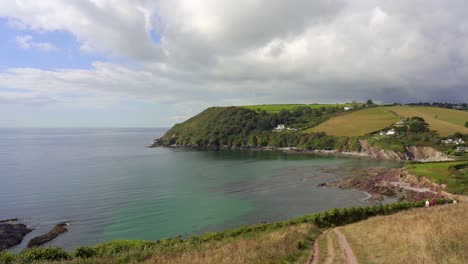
pixel 219 127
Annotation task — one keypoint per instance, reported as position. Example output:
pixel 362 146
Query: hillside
pixel 445 121
pixel 424 235
pixel 281 242
pixel 359 123
pixel 278 107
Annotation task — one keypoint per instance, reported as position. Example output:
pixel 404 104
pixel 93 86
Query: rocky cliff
pixel 411 153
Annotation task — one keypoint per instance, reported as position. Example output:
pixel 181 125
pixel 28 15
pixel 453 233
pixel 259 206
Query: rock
pixel 323 184
pixel 12 234
pixel 9 220
pixel 55 232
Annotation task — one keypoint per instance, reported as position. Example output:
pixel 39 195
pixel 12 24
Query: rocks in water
pixel 12 234
pixel 55 232
pixel 9 220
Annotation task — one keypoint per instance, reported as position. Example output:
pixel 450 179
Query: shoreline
pixel 379 155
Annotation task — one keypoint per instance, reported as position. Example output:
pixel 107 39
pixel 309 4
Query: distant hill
pixel 339 127
pixel 359 123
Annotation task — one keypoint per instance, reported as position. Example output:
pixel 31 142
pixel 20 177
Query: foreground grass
pixel 358 123
pixel 453 174
pixel 279 246
pixel 282 241
pixel 445 121
pixel 423 235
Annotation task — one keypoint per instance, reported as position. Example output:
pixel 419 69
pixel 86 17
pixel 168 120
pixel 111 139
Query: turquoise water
pixel 108 185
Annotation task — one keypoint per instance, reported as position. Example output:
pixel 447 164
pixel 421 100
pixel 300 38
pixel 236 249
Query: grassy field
pixel 362 122
pixel 290 107
pixel 445 121
pixel 357 123
pixel 424 235
pixel 444 173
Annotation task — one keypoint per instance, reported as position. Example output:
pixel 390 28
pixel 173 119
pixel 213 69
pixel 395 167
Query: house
pixel 462 149
pixel 347 108
pixel 280 127
pixel 400 123
pixel 391 132
pixel 456 141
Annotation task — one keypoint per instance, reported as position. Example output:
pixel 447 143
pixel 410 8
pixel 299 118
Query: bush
pixel 49 253
pixel 6 257
pixel 85 252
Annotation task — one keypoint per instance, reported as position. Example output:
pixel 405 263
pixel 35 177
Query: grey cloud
pixel 241 52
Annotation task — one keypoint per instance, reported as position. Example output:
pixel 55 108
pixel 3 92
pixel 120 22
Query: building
pixel 456 141
pixel 347 108
pixel 391 132
pixel 280 127
pixel 462 149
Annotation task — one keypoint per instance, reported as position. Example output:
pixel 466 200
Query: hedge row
pixel 330 218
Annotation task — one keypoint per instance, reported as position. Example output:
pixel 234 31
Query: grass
pixel 279 246
pixel 445 121
pixel 357 123
pixel 287 244
pixel 216 246
pixel 278 107
pixel 422 235
pixel 446 173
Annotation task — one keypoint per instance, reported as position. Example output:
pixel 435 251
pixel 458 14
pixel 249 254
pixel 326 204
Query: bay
pixel 108 185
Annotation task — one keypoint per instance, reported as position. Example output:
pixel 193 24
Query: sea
pixel 107 184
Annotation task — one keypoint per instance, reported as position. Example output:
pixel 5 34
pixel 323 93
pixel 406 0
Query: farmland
pixel 357 123
pixel 445 121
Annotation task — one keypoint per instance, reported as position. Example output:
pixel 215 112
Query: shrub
pixel 85 252
pixel 49 253
pixel 6 257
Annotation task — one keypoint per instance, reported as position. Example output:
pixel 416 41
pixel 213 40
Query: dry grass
pixel 445 121
pixel 357 123
pixel 423 235
pixel 273 247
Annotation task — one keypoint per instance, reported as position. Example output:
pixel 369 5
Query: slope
pixel 357 123
pixel 445 121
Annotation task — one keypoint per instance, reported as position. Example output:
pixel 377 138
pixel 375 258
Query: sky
pixel 139 63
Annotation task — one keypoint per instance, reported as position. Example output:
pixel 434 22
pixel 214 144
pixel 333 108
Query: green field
pixel 444 173
pixel 290 107
pixel 445 121
pixel 357 123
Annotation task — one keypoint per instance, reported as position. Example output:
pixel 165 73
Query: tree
pixel 466 124
pixel 417 125
pixel 369 102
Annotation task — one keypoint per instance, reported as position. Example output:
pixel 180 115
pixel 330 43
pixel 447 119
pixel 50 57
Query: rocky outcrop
pixel 12 234
pixel 380 182
pixel 55 232
pixel 410 153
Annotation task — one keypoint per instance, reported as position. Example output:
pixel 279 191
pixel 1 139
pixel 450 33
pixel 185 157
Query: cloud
pixel 26 42
pixel 240 52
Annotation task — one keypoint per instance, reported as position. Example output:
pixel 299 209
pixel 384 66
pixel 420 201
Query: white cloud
pixel 234 52
pixel 26 42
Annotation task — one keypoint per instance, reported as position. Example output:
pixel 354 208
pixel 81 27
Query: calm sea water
pixel 108 185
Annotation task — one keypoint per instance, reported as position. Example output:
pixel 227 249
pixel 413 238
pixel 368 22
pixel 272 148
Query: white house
pixel 456 141
pixel 391 132
pixel 280 127
pixel 347 108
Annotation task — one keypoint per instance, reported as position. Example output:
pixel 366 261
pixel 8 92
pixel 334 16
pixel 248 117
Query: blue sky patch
pixel 65 54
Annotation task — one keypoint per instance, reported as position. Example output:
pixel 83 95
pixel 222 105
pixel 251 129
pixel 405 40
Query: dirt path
pixel 330 250
pixel 350 258
pixel 315 251
pixel 347 252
